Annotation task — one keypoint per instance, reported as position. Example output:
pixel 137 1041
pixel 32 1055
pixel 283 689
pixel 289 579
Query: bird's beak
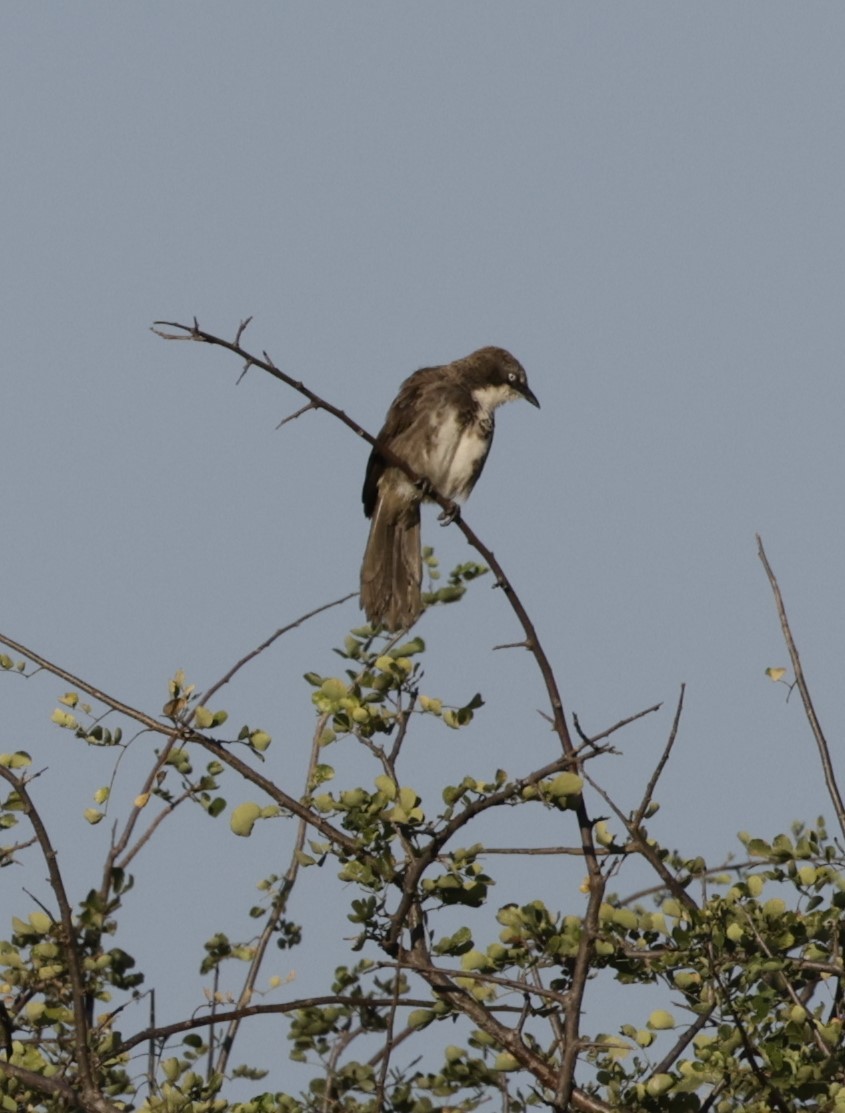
pixel 529 396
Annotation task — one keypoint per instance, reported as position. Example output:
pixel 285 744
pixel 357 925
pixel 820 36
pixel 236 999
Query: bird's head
pixel 495 376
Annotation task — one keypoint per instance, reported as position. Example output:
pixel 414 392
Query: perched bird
pixel 441 424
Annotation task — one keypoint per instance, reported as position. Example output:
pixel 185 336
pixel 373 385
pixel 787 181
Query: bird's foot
pixel 446 517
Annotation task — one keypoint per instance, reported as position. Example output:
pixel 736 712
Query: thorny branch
pixel 565 1082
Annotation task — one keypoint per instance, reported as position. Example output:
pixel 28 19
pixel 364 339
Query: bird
pixel 441 424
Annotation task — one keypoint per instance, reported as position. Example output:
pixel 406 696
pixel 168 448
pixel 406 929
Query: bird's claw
pixel 446 517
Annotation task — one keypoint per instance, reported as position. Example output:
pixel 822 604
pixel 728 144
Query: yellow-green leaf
pixel 505 1061
pixel 564 784
pixel 18 760
pixel 41 922
pixel 474 960
pixel 387 786
pixel 333 689
pixel 420 1018
pixel 203 718
pixel 658 1084
pixel 243 818
pixel 408 799
pixel 64 719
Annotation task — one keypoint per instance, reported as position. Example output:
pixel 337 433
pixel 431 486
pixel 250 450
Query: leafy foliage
pixel 453 993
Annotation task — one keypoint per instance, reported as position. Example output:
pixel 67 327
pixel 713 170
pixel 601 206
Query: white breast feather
pixel 454 457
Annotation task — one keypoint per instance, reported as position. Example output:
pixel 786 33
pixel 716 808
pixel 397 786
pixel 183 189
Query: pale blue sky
pixel 643 201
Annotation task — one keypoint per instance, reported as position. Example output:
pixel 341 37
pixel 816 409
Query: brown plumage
pixel 441 423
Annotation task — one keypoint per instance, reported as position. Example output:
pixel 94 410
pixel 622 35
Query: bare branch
pixel 242 327
pixel 594 738
pixel 661 765
pixel 215 688
pixel 298 413
pixel 809 710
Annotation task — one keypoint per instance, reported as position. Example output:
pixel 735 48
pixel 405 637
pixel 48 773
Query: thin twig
pixel 276 911
pixel 809 710
pixel 298 413
pixel 594 738
pixel 215 688
pixel 664 757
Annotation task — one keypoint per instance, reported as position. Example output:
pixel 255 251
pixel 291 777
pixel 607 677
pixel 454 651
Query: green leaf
pixel 333 688
pixel 243 818
pixel 386 786
pixel 474 960
pixel 64 719
pixel 504 1061
pixel 421 1018
pixel 260 740
pixel 203 718
pixel 658 1084
pixel 18 760
pixel 41 922
pixel 564 784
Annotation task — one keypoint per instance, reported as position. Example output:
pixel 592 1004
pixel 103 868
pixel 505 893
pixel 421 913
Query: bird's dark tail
pixel 391 574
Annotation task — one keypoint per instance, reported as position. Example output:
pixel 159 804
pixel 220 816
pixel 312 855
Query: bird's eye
pixel 511 376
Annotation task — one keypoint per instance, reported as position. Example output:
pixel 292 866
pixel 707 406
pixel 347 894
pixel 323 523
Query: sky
pixel 643 202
